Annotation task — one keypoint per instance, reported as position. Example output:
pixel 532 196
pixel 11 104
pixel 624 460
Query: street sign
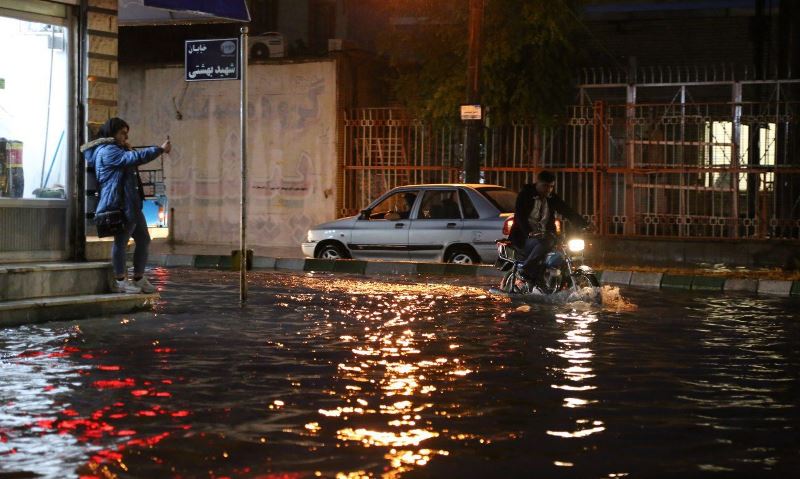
pixel 471 112
pixel 214 59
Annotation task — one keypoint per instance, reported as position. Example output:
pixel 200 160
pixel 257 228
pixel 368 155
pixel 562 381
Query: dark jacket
pixel 525 201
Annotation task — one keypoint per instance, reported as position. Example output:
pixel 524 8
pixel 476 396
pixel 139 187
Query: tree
pixel 528 56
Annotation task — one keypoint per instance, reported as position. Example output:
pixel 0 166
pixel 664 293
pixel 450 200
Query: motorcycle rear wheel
pixel 507 283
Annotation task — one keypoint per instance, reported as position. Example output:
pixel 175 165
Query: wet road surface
pixel 349 377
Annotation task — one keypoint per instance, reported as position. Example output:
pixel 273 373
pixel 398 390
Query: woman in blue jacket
pixel 115 164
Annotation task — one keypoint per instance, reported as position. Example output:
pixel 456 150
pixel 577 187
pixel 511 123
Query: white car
pixel 454 223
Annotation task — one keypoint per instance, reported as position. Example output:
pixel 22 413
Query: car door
pixel 480 233
pixel 438 223
pixel 382 231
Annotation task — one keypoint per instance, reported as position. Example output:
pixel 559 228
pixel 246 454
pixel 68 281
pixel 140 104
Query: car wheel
pixel 331 251
pixel 462 256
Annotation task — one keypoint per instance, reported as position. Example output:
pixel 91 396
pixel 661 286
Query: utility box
pixel 236 260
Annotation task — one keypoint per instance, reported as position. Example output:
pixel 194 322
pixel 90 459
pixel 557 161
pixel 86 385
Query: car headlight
pixel 576 245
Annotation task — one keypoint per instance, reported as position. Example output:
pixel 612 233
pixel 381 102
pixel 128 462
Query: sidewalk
pixel 701 278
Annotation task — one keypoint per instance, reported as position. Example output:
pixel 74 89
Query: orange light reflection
pixel 386 377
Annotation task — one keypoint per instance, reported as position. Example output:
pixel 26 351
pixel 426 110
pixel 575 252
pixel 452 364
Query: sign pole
pixel 243 126
pixel 472 131
pixel 215 59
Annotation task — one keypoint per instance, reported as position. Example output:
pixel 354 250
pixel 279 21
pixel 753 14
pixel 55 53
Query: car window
pixel 467 207
pixel 439 205
pixel 395 207
pixel 503 199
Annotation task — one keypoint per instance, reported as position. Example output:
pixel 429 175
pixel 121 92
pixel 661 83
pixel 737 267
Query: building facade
pixel 57 80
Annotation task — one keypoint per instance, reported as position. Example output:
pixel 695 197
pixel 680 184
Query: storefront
pixel 38 128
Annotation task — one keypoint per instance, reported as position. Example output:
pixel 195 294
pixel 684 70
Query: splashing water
pixel 588 295
pixel 613 300
pixel 609 296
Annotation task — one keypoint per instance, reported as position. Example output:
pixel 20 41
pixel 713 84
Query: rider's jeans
pixel 535 249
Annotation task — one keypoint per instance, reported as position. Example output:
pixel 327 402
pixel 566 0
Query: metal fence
pixel 714 170
pixel 384 148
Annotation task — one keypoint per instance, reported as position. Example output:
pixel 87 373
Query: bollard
pixel 236 259
pixel 171 227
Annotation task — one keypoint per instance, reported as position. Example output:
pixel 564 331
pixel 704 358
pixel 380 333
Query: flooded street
pixel 350 377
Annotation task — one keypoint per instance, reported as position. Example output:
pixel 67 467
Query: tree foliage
pixel 528 56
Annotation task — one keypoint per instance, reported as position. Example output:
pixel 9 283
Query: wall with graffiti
pixel 291 149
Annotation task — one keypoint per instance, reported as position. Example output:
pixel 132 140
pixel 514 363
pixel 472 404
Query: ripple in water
pixel 331 376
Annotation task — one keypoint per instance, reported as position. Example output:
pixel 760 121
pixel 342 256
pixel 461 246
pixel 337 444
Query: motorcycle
pixel 563 268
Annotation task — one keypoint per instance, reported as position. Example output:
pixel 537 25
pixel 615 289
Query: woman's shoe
pixel 144 285
pixel 127 287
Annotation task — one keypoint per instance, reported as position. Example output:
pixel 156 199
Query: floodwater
pixel 347 377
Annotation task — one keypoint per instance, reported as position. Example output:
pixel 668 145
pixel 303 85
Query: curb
pixel 369 268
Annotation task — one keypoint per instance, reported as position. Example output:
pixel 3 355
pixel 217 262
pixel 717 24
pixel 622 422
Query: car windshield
pixel 503 199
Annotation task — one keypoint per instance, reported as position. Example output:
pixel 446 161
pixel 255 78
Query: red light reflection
pixel 104 425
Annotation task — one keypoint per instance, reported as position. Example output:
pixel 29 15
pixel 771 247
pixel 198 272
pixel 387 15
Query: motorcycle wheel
pixel 507 283
pixel 582 280
pixel 550 285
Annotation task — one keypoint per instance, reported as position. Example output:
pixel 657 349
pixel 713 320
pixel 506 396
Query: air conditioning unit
pixel 268 45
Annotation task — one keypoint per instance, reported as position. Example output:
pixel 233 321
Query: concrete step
pixel 46 280
pixel 98 249
pixel 29 311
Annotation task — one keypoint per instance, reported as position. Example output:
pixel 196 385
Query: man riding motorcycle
pixel 532 233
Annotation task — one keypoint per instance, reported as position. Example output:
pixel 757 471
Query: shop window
pixel 766 155
pixel 719 139
pixel 34 98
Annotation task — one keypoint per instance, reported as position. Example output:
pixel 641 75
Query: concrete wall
pixel 291 149
pixel 102 63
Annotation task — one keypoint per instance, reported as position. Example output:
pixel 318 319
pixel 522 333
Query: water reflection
pixel 33 379
pixel 325 376
pixel 41 420
pixel 575 349
pixel 387 385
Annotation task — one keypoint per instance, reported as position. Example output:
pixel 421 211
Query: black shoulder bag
pixel 110 223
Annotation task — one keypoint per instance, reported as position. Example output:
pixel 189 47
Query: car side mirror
pixel 364 214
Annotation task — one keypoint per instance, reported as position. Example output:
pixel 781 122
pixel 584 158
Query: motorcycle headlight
pixel 576 245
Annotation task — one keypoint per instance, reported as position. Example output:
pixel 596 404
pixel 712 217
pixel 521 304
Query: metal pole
pixel 472 129
pixel 81 118
pixel 243 203
pixel 736 157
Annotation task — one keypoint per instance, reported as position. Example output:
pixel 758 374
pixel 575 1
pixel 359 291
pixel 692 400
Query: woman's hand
pixel 166 146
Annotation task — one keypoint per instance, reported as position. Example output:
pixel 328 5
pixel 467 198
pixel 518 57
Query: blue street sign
pixel 231 9
pixel 214 59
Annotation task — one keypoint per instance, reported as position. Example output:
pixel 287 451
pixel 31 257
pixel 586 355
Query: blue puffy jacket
pixel 113 164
